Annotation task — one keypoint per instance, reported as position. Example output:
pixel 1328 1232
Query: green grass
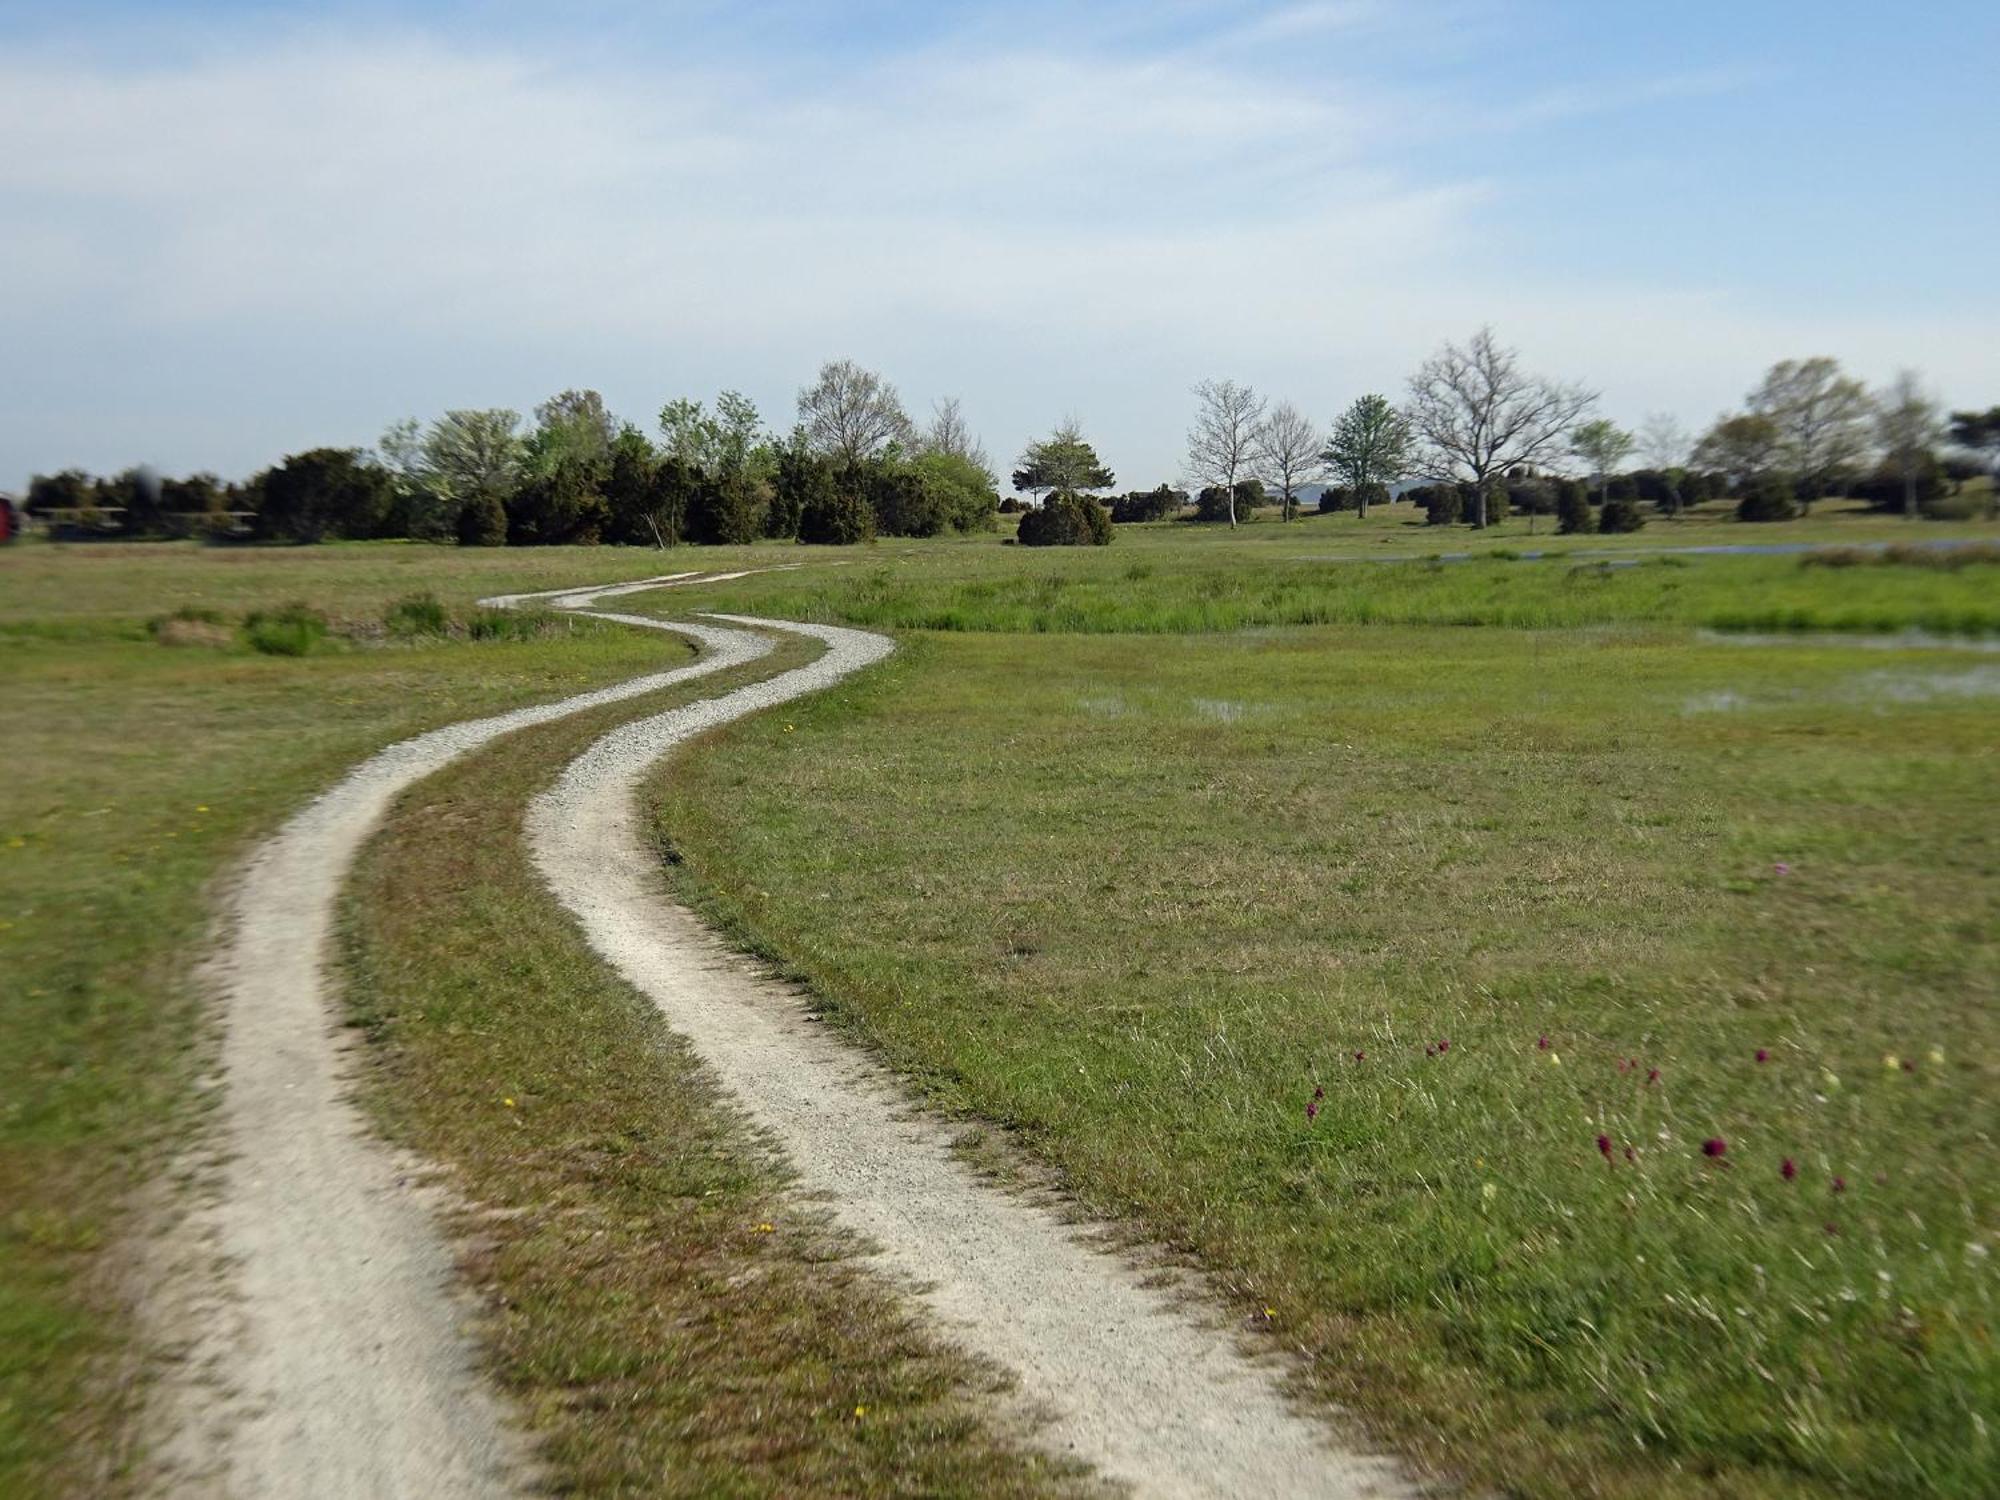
pixel 1133 899
pixel 669 1316
pixel 1185 584
pixel 1166 867
pixel 136 773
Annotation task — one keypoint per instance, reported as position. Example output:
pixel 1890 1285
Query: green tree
pixel 474 455
pixel 1909 425
pixel 1742 448
pixel 1371 448
pixel 963 486
pixel 1573 514
pixel 836 513
pixel 70 490
pixel 324 493
pixel 1822 419
pixel 631 489
pixel 1603 445
pixel 1062 463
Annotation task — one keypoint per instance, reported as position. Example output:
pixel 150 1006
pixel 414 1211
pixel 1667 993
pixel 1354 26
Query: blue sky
pixel 231 230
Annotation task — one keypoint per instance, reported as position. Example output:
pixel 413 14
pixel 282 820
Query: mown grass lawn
pixel 1403 974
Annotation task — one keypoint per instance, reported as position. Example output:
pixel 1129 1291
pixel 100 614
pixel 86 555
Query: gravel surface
pixel 324 1352
pixel 1133 1379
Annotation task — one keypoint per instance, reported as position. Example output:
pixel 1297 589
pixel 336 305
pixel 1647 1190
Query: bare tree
pixel 1223 440
pixel 1909 424
pixel 1664 445
pixel 852 414
pixel 1478 414
pixel 1370 449
pixel 948 434
pixel 1822 418
pixel 1288 452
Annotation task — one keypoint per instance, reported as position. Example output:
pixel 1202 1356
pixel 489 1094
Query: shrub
pixel 1966 505
pixel 1573 510
pixel 1065 521
pixel 420 614
pixel 836 516
pixel 1212 504
pixel 1148 505
pixel 1442 504
pixel 291 631
pixel 482 522
pixel 1335 497
pixel 1011 507
pixel 1770 498
pixel 1621 513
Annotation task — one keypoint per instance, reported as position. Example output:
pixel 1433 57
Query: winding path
pixel 343 1368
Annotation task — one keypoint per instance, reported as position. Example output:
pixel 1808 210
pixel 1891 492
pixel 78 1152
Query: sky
pixel 231 230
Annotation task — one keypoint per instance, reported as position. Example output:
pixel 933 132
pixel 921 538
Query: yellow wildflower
pixel 509 1102
pixel 1891 1061
pixel 1937 1056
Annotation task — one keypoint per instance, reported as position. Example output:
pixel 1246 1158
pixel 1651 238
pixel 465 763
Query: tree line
pixel 1488 437
pixel 853 466
pixel 1477 437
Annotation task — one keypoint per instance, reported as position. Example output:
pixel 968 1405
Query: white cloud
pixel 317 235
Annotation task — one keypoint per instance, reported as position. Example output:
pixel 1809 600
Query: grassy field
pixel 136 773
pixel 1204 864
pixel 670 1318
pixel 1402 975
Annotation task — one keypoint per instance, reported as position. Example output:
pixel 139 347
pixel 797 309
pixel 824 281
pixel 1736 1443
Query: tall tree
pixel 475 454
pixel 1224 439
pixel 852 414
pixel 1976 431
pixel 1477 414
pixel 1288 449
pixel 576 425
pixel 1745 447
pixel 1604 445
pixel 326 492
pixel 718 444
pixel 419 509
pixel 949 435
pixel 1062 464
pixel 1371 448
pixel 1664 445
pixel 1822 419
pixel 1909 424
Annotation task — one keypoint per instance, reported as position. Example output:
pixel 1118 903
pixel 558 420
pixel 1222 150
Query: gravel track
pixel 1130 1377
pixel 324 1353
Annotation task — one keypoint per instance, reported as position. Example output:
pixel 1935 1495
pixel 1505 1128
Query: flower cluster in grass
pixel 1740 1228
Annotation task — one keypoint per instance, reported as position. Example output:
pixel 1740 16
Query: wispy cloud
pixel 302 234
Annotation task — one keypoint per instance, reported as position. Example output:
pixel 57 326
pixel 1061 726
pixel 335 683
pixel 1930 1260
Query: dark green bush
pixel 1148 505
pixel 1771 498
pixel 1966 505
pixel 1065 521
pixel 1335 497
pixel 836 516
pixel 1442 504
pixel 1621 513
pixel 482 522
pixel 1212 504
pixel 1573 514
